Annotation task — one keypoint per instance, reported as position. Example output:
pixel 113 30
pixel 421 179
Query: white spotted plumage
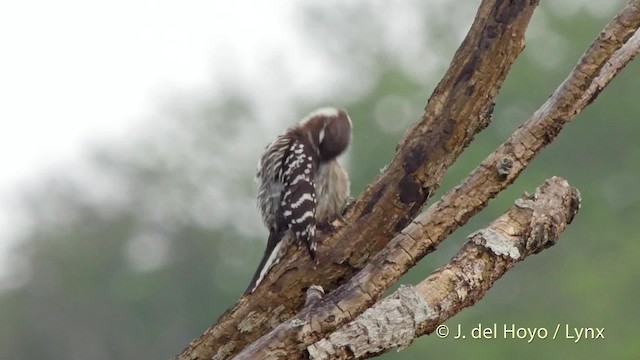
pixel 287 174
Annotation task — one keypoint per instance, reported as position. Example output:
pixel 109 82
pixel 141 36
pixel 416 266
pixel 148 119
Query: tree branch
pixel 613 66
pixel 406 314
pixel 533 224
pixel 460 106
pixel 456 207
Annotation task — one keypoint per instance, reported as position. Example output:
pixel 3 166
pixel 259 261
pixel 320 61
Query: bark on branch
pixel 421 236
pixel 531 225
pixel 460 106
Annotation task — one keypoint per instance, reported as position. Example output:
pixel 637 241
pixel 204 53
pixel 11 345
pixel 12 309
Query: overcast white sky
pixel 75 72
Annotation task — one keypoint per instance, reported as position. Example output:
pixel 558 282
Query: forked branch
pixel 460 106
pixel 532 224
pixel 431 227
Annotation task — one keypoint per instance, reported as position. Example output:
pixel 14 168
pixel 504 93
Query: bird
pixel 301 184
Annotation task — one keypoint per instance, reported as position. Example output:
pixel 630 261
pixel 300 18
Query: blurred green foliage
pixel 141 256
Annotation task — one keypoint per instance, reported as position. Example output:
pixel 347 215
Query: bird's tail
pixel 275 251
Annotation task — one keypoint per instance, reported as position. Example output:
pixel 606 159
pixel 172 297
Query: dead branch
pixel 460 106
pixel 456 207
pixel 617 62
pixel 531 225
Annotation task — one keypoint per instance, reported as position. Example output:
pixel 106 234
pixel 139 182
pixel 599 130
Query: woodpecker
pixel 301 184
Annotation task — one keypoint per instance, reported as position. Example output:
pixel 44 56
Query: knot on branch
pixel 504 166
